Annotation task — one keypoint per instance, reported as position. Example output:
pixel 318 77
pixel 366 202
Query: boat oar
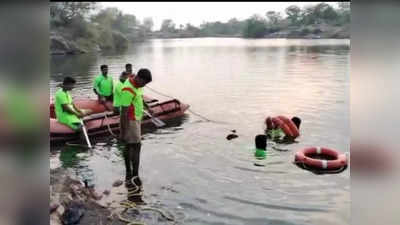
pixel 155 120
pixel 85 133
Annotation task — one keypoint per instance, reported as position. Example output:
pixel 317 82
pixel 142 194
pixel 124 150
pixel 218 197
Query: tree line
pixel 258 26
pixel 109 28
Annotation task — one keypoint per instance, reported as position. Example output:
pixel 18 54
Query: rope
pixel 128 205
pixel 109 128
pixel 194 113
pixel 159 92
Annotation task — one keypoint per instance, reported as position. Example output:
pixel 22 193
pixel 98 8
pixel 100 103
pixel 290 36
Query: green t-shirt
pixel 260 153
pixel 61 98
pixel 276 133
pixel 132 97
pixel 118 94
pixel 103 85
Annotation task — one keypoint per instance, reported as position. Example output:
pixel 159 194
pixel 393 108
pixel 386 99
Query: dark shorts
pixel 109 98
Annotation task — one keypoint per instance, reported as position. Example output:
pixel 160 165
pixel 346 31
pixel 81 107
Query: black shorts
pixel 109 98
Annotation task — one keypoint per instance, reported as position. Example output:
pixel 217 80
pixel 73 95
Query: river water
pixel 191 168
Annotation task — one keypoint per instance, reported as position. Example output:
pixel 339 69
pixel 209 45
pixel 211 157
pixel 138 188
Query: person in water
pixel 261 146
pixel 118 91
pixel 103 87
pixel 276 134
pixel 260 152
pixel 132 106
pixel 66 111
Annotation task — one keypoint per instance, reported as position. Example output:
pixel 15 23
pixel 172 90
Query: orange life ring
pixel 336 160
pixel 287 125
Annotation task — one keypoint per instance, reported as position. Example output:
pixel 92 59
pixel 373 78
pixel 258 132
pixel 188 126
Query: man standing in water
pixel 103 87
pixel 131 115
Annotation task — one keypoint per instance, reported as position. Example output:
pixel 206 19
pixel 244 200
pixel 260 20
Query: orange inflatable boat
pixel 97 124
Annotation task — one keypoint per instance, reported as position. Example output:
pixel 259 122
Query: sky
pixel 197 12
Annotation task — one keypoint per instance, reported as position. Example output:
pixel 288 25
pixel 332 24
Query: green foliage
pixel 168 26
pixel 62 13
pixel 109 28
pixel 274 19
pixel 255 27
pixel 305 31
pixel 293 13
pixel 148 24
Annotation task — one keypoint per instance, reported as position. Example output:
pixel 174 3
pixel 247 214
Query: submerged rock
pixel 117 183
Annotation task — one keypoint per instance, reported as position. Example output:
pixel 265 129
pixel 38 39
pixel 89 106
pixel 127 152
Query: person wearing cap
pixel 66 111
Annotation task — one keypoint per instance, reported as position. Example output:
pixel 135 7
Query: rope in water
pixel 194 113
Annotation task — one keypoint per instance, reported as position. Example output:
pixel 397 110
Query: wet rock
pixel 73 214
pixel 231 136
pixel 117 183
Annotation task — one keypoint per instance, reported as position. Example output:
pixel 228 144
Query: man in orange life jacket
pixel 131 115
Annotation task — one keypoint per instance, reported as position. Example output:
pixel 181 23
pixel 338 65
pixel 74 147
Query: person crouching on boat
pixel 103 87
pixel 66 111
pixel 131 116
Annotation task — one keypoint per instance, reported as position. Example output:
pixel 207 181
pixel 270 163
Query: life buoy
pixel 287 125
pixel 335 160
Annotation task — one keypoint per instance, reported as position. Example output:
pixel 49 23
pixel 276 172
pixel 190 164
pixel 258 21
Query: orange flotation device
pixel 310 157
pixel 287 125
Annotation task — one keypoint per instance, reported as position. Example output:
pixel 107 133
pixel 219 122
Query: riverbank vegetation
pixel 313 21
pixel 78 27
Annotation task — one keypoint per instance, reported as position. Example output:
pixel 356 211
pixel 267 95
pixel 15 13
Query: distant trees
pixel 148 24
pixel 255 27
pixel 293 14
pixel 62 13
pixel 110 28
pixel 168 26
pixel 258 26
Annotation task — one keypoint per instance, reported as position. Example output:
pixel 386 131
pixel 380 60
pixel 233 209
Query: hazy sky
pixel 197 12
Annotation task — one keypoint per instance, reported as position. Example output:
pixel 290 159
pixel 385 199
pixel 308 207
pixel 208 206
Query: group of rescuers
pixel 126 98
